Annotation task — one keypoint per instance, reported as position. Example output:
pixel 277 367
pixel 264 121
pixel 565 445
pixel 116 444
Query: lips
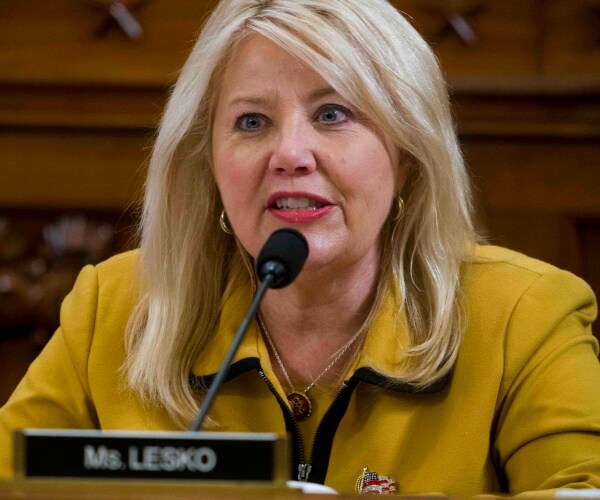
pixel 296 201
pixel 296 208
pixel 302 203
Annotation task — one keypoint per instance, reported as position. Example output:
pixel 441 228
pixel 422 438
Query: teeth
pixel 297 203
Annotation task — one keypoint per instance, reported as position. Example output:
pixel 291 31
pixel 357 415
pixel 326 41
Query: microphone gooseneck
pixel 278 264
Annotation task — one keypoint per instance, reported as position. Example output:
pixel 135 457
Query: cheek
pixel 226 162
pixel 370 176
pixel 231 175
pixel 222 158
pixel 236 163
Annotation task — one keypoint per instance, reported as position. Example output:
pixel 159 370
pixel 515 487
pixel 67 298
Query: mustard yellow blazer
pixel 519 412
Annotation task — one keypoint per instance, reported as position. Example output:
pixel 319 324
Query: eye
pixel 250 121
pixel 333 113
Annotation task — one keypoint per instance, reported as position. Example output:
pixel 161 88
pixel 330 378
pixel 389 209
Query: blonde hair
pixel 373 57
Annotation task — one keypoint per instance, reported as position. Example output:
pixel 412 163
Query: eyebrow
pixel 256 100
pixel 324 92
pixel 248 100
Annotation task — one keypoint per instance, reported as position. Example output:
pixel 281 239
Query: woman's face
pixel 289 151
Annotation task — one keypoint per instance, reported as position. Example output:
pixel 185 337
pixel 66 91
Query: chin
pixel 321 261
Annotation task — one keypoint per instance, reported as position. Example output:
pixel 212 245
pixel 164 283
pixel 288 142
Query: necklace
pixel 299 400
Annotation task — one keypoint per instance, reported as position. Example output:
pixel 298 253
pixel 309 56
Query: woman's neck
pixel 311 320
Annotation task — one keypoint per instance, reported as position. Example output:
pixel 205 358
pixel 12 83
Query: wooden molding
pixel 74 106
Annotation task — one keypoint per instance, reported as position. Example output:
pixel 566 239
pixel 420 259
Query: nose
pixel 293 150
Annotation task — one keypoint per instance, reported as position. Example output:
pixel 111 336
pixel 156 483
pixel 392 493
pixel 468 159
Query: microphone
pixel 278 264
pixel 282 256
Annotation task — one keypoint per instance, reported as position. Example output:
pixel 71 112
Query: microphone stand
pixel 222 373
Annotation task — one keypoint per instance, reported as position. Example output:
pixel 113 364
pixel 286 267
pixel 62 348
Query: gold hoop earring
pixel 399 208
pixel 223 223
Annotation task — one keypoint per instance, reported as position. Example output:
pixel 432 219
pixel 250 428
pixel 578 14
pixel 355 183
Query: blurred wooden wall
pixel 79 101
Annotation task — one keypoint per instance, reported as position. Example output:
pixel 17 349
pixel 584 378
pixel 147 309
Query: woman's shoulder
pixel 111 284
pixel 499 269
pixel 500 259
pixel 117 281
pixel 119 265
pixel 502 286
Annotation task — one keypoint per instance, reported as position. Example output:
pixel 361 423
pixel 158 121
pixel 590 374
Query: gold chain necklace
pixel 299 401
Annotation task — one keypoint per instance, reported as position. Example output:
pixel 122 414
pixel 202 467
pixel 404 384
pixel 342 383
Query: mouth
pixel 283 201
pixel 297 203
pixel 298 208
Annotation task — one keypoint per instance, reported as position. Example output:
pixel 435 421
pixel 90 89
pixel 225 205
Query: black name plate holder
pixel 213 456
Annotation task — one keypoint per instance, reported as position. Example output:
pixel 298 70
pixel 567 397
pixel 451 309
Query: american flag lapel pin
pixel 371 483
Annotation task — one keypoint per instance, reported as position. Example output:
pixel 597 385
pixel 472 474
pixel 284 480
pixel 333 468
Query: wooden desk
pixel 139 489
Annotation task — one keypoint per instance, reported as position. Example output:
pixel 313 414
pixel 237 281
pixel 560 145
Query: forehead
pixel 259 65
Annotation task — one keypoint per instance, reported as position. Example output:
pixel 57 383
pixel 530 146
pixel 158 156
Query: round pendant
pixel 301 405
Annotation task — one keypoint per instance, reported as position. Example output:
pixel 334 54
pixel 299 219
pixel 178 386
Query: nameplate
pixel 211 456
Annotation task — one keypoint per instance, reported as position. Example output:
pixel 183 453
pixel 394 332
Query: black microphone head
pixel 283 255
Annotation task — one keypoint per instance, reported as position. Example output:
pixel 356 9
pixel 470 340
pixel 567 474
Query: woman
pixel 444 365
